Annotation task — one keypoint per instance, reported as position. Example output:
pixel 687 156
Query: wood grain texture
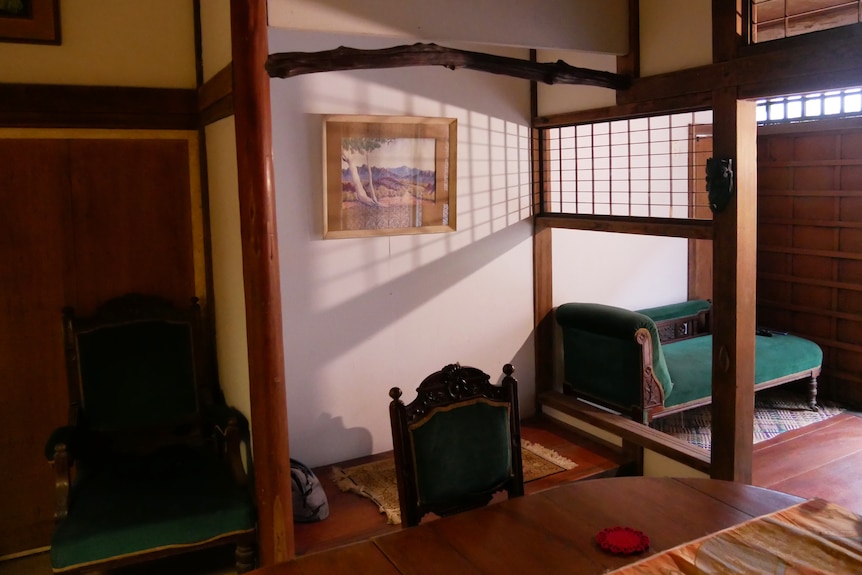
pixel 34 239
pixel 261 280
pixel 734 256
pixel 358 559
pixel 49 106
pixel 543 279
pixel 553 531
pixel 810 245
pixel 131 218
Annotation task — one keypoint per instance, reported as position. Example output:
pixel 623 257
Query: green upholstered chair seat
pixel 452 455
pixel 176 497
pixel 690 363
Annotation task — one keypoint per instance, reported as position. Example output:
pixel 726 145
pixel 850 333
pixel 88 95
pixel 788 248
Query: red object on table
pixel 622 540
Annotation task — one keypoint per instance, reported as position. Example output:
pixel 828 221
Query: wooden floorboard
pixel 354 518
pixel 820 460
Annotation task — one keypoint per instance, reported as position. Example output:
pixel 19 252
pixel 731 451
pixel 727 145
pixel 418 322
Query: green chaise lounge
pixel 616 358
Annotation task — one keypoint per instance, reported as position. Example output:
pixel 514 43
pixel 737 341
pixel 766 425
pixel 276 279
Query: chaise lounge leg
pixel 812 394
pixel 245 558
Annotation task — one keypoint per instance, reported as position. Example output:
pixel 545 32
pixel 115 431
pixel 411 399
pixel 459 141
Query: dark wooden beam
pixel 686 103
pixel 261 279
pixel 786 66
pixel 726 29
pixel 733 289
pixel 289 64
pixel 630 63
pixel 670 227
pixel 60 106
pixel 215 97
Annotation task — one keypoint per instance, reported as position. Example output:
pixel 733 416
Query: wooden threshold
pixel 629 430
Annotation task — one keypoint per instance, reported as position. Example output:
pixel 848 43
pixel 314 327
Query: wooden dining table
pixel 552 531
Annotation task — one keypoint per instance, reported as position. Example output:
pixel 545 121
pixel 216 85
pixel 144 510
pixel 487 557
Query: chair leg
pixel 245 557
pixel 812 394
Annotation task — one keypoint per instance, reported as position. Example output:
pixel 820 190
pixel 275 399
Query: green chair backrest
pixel 461 449
pixel 137 375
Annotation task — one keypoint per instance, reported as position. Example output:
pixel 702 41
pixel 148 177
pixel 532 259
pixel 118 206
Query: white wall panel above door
pixel 585 25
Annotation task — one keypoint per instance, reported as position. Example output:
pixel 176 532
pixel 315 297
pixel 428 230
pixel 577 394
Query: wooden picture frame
pixel 38 22
pixel 410 186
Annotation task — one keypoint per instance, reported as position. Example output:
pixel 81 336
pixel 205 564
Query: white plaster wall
pixel 228 289
pixel 362 315
pixel 114 43
pixel 561 24
pixel 625 270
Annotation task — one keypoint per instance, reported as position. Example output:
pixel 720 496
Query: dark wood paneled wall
pixel 83 220
pixel 35 248
pixel 810 244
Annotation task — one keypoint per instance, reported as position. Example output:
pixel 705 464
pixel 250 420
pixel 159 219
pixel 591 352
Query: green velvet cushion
pixel 601 356
pixel 175 497
pixel 690 363
pixel 676 310
pixel 455 451
pixel 137 375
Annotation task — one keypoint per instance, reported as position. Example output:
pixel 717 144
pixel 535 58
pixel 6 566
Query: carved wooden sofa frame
pixel 654 362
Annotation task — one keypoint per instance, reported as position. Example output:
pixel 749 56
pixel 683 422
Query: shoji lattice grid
pixel 636 167
pixel 814 106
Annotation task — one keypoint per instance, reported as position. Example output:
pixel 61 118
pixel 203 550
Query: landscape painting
pixel 388 175
pixel 30 21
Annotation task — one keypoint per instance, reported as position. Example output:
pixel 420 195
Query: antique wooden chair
pixel 149 464
pixel 457 443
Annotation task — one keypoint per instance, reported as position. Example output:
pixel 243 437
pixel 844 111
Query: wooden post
pixel 542 309
pixel 734 283
pixel 261 280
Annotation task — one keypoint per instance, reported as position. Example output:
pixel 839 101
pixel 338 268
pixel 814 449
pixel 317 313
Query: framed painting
pixel 388 175
pixel 30 21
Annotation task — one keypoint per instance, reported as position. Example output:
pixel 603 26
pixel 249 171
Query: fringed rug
pixel 775 411
pixel 376 480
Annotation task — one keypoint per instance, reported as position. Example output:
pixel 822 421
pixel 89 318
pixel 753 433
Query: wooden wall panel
pixel 83 220
pixel 131 219
pixel 33 240
pixel 850 271
pixel 810 281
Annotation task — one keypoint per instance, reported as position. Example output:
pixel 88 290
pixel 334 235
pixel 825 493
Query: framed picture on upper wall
pixel 30 21
pixel 388 175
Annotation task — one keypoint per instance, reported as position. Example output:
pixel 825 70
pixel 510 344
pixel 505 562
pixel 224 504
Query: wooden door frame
pixel 699 251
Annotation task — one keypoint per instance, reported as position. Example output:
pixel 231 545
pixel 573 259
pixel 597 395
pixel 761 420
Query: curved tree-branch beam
pixel 289 64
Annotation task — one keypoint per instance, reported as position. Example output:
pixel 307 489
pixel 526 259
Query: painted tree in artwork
pixel 350 146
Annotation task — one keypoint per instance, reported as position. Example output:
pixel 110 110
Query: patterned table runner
pixel 812 538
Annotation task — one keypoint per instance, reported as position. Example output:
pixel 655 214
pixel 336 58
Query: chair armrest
pixel 233 428
pixel 59 450
pixel 67 437
pixel 603 354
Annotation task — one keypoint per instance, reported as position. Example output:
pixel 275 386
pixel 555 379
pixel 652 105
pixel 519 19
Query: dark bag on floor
pixel 309 499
